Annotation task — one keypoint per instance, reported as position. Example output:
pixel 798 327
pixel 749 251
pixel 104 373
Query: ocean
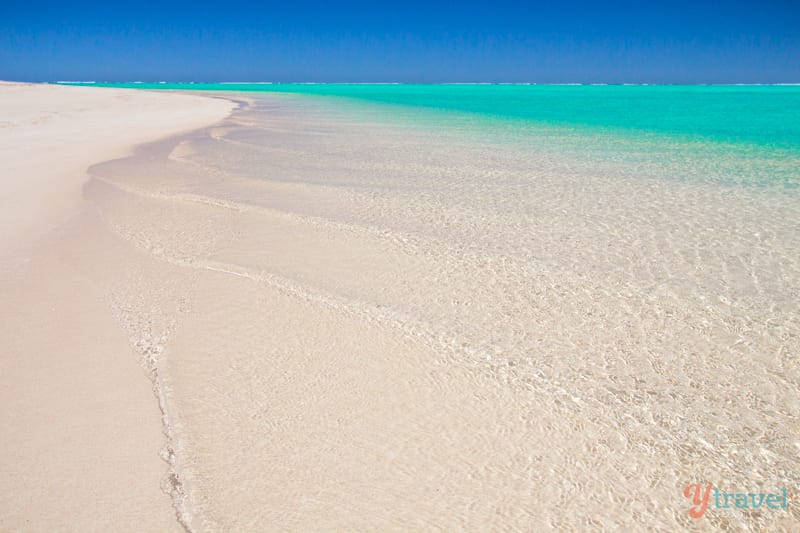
pixel 475 306
pixel 735 134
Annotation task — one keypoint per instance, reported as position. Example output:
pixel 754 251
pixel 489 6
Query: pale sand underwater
pixel 360 324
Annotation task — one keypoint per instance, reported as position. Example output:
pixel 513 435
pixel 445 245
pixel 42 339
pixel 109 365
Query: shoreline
pixel 71 133
pixel 83 445
pixel 351 324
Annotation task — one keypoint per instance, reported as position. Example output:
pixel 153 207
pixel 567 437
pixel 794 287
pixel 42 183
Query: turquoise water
pixel 706 126
pixel 767 115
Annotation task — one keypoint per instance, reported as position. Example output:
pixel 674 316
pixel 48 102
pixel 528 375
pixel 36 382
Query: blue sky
pixel 570 41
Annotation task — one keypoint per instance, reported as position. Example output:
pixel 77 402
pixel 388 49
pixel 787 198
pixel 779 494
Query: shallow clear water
pixel 408 318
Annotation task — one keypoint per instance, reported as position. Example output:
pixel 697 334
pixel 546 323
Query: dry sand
pixel 81 433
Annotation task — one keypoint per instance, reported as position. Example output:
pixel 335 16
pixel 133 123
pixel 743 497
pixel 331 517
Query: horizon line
pixel 193 82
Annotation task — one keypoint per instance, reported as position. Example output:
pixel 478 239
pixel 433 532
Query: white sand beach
pixel 350 323
pixel 81 434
